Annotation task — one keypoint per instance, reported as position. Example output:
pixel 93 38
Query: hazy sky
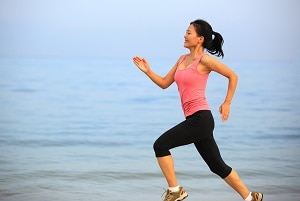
pixel 255 30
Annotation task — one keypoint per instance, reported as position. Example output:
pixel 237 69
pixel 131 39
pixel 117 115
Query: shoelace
pixel 167 194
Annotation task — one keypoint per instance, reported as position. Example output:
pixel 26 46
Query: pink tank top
pixel 191 86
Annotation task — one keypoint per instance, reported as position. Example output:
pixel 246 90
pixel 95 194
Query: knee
pixel 222 170
pixel 155 146
pixel 160 150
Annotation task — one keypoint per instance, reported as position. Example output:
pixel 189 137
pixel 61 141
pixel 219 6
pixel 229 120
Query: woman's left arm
pixel 214 65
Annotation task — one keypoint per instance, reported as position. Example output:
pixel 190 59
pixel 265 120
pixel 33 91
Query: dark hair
pixel 213 45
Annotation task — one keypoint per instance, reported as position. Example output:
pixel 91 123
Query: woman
pixel 190 74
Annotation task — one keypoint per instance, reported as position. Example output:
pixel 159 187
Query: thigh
pixel 175 137
pixel 208 149
pixel 193 129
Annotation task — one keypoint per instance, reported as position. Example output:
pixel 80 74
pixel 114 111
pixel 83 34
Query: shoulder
pixel 209 61
pixel 181 58
pixel 179 61
pixel 206 59
pixel 214 64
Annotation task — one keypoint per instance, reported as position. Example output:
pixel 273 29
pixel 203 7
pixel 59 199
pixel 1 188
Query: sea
pixel 83 130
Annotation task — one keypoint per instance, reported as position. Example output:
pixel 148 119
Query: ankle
pixel 249 198
pixel 174 189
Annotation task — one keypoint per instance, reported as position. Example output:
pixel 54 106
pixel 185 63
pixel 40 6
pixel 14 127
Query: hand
pixel 141 63
pixel 224 111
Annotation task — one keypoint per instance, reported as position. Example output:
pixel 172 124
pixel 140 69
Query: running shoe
pixel 175 196
pixel 257 196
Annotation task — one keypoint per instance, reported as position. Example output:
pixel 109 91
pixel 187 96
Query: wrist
pixel 227 101
pixel 148 72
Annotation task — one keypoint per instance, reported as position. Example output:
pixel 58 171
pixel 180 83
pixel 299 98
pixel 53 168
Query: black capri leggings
pixel 198 129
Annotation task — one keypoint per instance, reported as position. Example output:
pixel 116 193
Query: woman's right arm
pixel 162 82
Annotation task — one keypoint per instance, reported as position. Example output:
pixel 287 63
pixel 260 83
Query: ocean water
pixel 83 130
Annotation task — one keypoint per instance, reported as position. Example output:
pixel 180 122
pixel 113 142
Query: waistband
pixel 195 114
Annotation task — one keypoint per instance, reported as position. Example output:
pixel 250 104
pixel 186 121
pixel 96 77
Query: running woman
pixel 190 73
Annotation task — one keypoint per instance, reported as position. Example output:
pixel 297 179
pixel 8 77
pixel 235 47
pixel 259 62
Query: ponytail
pixel 216 46
pixel 212 44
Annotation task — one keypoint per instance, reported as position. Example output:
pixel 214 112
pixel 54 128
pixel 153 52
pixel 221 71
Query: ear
pixel 200 39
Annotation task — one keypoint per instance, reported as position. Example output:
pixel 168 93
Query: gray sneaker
pixel 175 196
pixel 257 196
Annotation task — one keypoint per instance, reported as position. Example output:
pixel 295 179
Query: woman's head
pixel 212 44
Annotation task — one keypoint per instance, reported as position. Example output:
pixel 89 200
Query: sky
pixel 252 30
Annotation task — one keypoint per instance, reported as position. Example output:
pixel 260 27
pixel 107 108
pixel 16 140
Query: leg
pixel 236 183
pixel 170 139
pixel 184 133
pixel 166 165
pixel 209 151
pixel 174 192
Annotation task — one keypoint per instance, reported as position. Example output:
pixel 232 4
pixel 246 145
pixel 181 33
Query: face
pixel 191 39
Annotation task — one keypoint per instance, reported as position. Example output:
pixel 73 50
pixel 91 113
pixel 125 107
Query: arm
pixel 163 82
pixel 214 65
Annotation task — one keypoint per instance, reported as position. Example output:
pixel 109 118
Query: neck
pixel 196 52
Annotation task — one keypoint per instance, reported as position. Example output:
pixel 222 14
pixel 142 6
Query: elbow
pixel 234 77
pixel 163 86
